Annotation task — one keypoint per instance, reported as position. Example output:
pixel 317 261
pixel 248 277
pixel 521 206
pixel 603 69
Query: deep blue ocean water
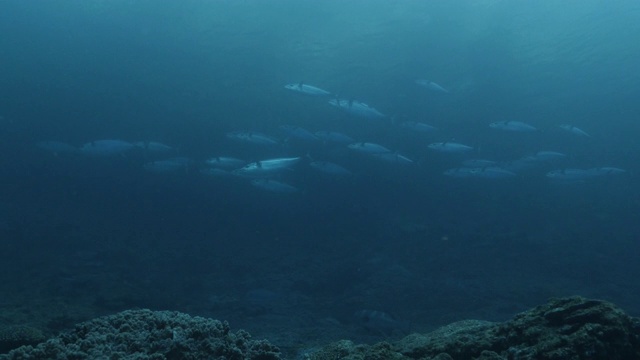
pixel 413 238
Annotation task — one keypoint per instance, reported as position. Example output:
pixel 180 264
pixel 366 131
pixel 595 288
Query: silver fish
pixel 305 89
pixel 299 133
pixel 334 137
pixel 266 167
pixel 274 186
pixel 417 126
pixel 357 108
pixel 570 175
pixel 329 168
pixel 368 148
pixel 106 148
pixel 450 147
pixel 225 162
pixel 511 125
pixel 252 138
pixel 394 158
pixel 168 166
pixel 431 86
pixel 574 130
pixel 154 148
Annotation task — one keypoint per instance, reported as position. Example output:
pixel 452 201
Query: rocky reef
pixel 563 329
pixel 569 329
pixel 146 334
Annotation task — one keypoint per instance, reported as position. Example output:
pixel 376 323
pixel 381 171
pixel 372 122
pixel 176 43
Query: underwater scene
pixel 311 171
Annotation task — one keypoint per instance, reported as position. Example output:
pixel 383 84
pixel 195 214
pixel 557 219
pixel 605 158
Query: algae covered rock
pixel 145 334
pixel 563 329
pixel 15 336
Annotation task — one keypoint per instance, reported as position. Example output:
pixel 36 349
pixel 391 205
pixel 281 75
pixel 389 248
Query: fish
pixel 394 158
pixel 357 108
pixel 334 137
pixel 574 130
pixel 606 171
pixel 225 162
pixel 266 167
pixel 491 172
pixel 547 156
pixel 512 125
pixel 450 147
pixel 431 86
pixel 570 175
pixel 216 172
pixel 302 88
pixel 274 186
pixel 368 148
pixel 417 126
pixel 330 168
pixel 106 148
pixel 478 163
pixel 154 148
pixel 252 138
pixel 168 166
pixel 299 133
pixel 57 147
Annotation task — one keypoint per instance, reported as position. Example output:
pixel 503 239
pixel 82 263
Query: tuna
pixel 368 148
pixel 252 138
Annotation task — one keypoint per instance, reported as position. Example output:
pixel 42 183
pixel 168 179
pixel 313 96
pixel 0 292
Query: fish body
pixel 431 86
pixel 168 166
pixel 606 171
pixel 106 148
pixel 225 162
pixel 305 89
pixel 357 108
pixel 216 172
pixel 266 167
pixel 570 175
pixel 334 137
pixel 491 172
pixel 547 156
pixel 394 158
pixel 329 168
pixel 450 147
pixel 368 148
pixel 274 186
pixel 511 125
pixel 154 148
pixel 252 138
pixel 574 130
pixel 478 163
pixel 417 126
pixel 299 133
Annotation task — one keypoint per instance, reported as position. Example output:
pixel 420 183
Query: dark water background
pixel 82 237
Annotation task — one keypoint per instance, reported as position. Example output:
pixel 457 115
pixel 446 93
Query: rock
pixel 16 336
pixel 146 334
pixel 569 329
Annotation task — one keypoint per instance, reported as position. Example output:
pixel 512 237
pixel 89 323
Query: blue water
pixel 83 236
